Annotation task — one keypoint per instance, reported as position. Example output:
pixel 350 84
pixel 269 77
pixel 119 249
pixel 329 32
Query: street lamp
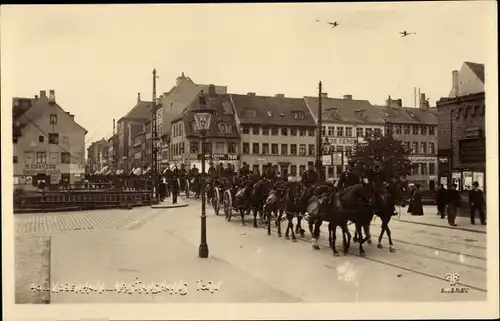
pixel 319 140
pixel 202 116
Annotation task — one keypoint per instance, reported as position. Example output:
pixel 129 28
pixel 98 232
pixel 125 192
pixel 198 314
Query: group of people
pixel 449 201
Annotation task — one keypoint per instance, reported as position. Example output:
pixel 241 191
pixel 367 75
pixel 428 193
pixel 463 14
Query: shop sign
pixel 326 160
pixel 33 169
pixel 340 141
pixel 231 157
pixel 422 159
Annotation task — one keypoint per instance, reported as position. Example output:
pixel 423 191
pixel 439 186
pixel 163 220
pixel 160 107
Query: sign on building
pixel 33 169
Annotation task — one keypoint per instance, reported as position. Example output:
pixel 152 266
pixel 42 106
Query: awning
pixel 132 171
pixel 103 170
pixel 119 172
pixel 147 170
pixel 138 171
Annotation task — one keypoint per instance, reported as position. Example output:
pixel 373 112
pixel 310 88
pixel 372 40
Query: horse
pixel 275 203
pixel 387 197
pixel 260 192
pixel 293 208
pixel 243 201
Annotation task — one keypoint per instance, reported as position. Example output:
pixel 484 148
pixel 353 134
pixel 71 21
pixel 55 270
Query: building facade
pixel 48 143
pixel 222 140
pixel 344 121
pixel 462 133
pixel 417 129
pixel 96 157
pixel 277 130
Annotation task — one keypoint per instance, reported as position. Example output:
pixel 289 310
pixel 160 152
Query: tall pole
pixel 319 151
pixel 154 137
pixel 203 249
pixel 450 180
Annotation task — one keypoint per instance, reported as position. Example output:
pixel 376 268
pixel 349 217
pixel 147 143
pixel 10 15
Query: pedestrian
pixel 453 200
pixel 441 200
pixel 411 186
pixel 477 202
pixel 416 202
pixel 163 189
pixel 175 188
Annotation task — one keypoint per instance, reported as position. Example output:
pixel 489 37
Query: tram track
pixel 396 265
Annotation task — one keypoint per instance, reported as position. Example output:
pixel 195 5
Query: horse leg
pixel 254 210
pixel 330 229
pixel 278 221
pixel 388 231
pixel 267 217
pixel 346 236
pixel 382 230
pixel 242 214
pixel 315 233
pixel 333 232
pixel 290 225
pixel 368 237
pixel 360 239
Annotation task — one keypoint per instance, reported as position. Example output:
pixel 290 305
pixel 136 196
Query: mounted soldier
pixel 244 171
pixel 212 172
pixel 348 178
pixel 310 178
pixel 270 173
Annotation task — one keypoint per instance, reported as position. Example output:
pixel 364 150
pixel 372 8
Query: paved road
pixel 255 267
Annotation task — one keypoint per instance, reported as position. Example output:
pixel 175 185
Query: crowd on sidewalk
pixel 449 202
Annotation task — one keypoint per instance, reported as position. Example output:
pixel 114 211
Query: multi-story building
pixel 277 130
pixel 173 103
pixel 417 129
pixel 48 143
pixel 127 127
pixel 222 142
pixel 96 159
pixel 139 159
pixel 461 122
pixel 344 121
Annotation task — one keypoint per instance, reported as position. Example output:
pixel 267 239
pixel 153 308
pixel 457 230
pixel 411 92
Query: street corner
pixel 168 204
pixel 32 263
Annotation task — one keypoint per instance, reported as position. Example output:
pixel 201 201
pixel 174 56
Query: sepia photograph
pixel 197 158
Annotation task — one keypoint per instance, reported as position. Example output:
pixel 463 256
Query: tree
pixel 383 152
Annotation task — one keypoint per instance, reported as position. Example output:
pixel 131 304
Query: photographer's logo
pixel 454 278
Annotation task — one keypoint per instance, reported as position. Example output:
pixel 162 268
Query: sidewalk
pixel 431 218
pixel 167 203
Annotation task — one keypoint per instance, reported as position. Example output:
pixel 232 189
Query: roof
pixel 224 113
pixel 408 115
pixel 478 69
pixel 271 111
pixel 345 110
pixel 27 110
pixel 141 110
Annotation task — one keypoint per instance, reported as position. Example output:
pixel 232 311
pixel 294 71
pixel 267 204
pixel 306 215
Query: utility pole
pixel 154 138
pixel 319 146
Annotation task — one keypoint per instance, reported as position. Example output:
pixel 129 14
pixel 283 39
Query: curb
pixel 160 206
pixel 443 226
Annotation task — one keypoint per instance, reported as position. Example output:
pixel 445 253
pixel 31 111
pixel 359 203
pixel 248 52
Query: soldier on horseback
pixel 309 179
pixel 348 178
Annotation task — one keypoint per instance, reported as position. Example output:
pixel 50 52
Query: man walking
pixel 477 202
pixel 453 201
pixel 175 188
pixel 441 200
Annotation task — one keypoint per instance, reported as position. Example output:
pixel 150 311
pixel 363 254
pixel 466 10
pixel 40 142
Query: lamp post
pixel 319 140
pixel 450 165
pixel 203 115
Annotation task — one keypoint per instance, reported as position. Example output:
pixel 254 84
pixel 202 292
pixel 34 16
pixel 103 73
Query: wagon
pixel 228 204
pixel 216 200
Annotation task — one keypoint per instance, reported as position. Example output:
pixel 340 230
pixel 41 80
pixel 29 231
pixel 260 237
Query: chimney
pixel 388 102
pixel 211 91
pixel 138 97
pixel 113 127
pixel 455 83
pixel 251 94
pixel 279 95
pixel 348 97
pixel 399 102
pixel 36 97
pixel 165 94
pixel 180 79
pixel 43 94
pixel 52 96
pixel 324 95
pixel 423 101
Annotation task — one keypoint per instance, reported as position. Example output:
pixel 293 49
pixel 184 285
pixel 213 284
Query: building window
pixel 194 128
pixel 432 148
pixel 293 170
pixel 423 147
pixel 297 115
pixel 194 147
pixel 330 171
pixel 302 149
pixel 284 131
pixel 423 169
pixel 265 149
pixel 293 149
pixel 340 131
pixel 246 148
pixel 53 119
pixel 231 148
pixel 54 138
pixel 219 147
pixel 432 169
pixel 293 132
pixel 348 131
pixel 41 139
pixel 284 149
pixel 432 130
pixel 423 130
pixel 41 157
pixel 255 131
pixel 414 147
pixel 302 132
pixel 65 158
pixel 323 130
pixel 15 159
pixel 415 130
pixel 28 157
pixel 398 129
pixel 311 150
pixel 302 169
pixel 348 150
pixel 339 170
pixel 274 131
pixel 246 130
pixel 255 148
pixel 368 132
pixel 312 132
pixel 359 132
pixel 265 131
pixel 331 131
pixel 274 149
pixel 406 129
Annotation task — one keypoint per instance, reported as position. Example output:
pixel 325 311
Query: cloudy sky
pixel 97 58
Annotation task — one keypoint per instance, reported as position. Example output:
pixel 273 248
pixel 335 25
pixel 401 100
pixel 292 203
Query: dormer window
pixel 225 128
pixel 298 115
pixel 269 113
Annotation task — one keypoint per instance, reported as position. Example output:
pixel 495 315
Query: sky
pixel 97 58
